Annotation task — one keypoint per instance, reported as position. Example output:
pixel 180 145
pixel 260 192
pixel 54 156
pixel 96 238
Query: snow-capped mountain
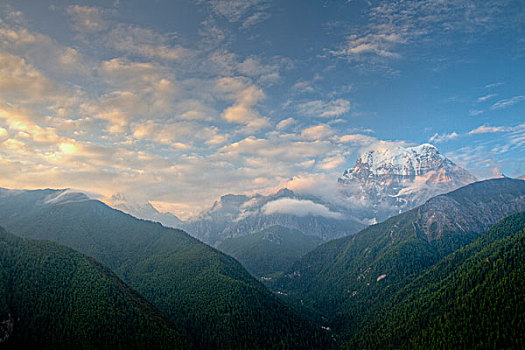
pixel 394 179
pixel 238 215
pixel 143 210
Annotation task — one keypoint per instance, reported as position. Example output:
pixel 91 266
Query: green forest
pixel 54 297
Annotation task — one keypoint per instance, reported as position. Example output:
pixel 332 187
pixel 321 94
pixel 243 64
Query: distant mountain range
pixel 348 282
pixel 384 182
pixel 238 215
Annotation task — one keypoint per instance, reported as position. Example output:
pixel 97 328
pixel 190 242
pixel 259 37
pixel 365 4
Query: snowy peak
pixel 395 178
pixel 403 161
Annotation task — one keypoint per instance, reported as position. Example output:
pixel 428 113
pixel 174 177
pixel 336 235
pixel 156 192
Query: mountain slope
pixel 203 291
pixel 474 298
pixel 54 297
pixel 348 281
pixel 270 251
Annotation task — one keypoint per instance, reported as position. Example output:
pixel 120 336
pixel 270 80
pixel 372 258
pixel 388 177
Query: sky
pixel 179 102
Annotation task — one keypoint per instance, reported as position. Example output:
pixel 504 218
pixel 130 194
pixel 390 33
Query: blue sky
pixel 178 102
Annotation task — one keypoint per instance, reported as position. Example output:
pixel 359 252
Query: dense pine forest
pixel 52 297
pixel 474 298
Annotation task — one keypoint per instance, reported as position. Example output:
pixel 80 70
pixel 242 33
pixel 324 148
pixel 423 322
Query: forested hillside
pixel 204 292
pixel 54 297
pixel 346 283
pixel 474 298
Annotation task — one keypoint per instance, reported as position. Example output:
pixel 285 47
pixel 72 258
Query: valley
pixel 262 174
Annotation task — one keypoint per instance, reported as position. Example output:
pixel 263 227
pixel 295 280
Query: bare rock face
pixel 393 180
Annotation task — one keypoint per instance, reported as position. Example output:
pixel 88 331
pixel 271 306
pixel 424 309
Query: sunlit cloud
pixel 317 132
pixel 286 123
pixel 484 129
pixel 245 97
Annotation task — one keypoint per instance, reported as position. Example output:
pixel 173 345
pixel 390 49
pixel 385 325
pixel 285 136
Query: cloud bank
pixel 299 208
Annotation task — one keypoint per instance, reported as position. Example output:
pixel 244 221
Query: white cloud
pixel 486 97
pixel 361 47
pixel 303 86
pixel 41 51
pixel 299 208
pixel 318 132
pixel 23 85
pixel 507 102
pixel 394 25
pixel 443 137
pixel 488 129
pixel 332 162
pixel 276 150
pixel 136 91
pixel 285 123
pixel 475 112
pixel 253 67
pixel 234 10
pixel 320 108
pixel 246 96
pixel 358 139
pixel 255 19
pixel 493 85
